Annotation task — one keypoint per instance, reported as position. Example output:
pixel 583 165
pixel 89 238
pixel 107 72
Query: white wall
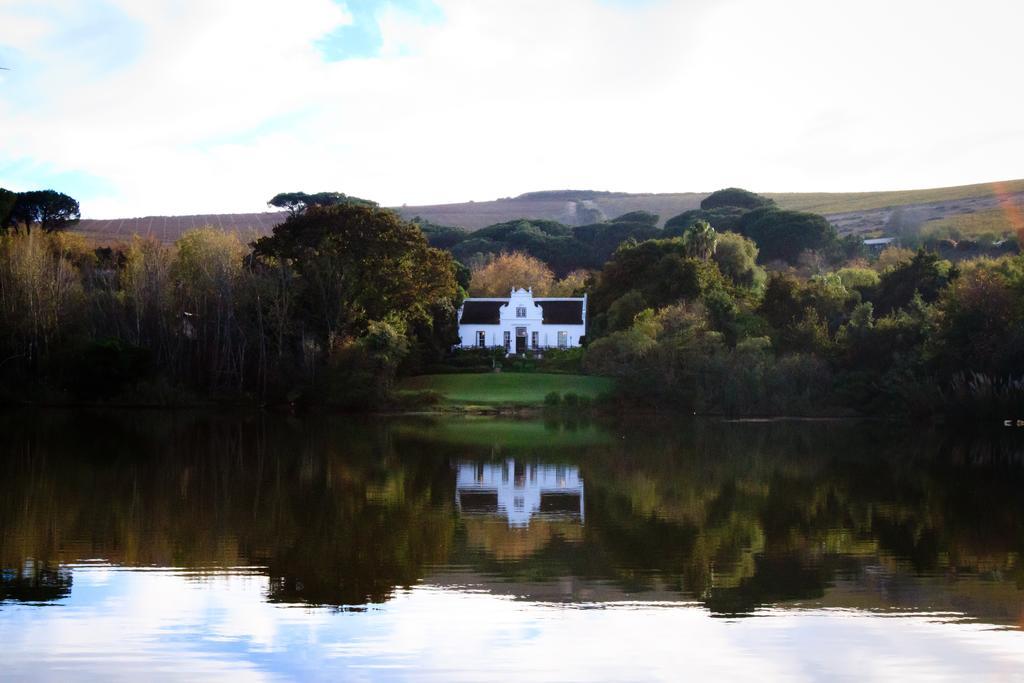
pixel 547 335
pixel 468 334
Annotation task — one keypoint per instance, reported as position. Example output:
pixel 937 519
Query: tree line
pixel 326 309
pixel 698 322
pixel 782 236
pixel 345 297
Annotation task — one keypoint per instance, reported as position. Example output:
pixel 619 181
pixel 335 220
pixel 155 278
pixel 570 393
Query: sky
pixel 163 107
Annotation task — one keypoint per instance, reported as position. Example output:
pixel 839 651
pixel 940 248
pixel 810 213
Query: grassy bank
pixel 495 389
pixel 536 434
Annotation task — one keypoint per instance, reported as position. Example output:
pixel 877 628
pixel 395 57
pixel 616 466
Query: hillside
pixel 570 207
pixel 845 202
pixel 169 228
pixel 852 212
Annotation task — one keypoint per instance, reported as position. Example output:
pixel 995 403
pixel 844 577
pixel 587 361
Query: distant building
pixel 519 491
pixel 521 323
pixel 879 243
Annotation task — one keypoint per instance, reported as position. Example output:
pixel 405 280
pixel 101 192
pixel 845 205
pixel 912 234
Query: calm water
pixel 149 545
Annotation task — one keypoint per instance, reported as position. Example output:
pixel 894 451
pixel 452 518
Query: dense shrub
pixel 736 257
pixel 105 368
pixel 924 275
pixel 562 248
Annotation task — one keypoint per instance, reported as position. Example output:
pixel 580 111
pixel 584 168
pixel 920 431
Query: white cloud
pixel 158 624
pixel 217 106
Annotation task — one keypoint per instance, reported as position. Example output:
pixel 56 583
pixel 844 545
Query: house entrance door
pixel 520 340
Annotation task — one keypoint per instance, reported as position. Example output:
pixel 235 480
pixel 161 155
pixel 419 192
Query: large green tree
pixel 783 235
pixel 654 273
pixel 643 217
pixel 735 197
pixel 47 209
pixel 297 202
pixel 723 209
pixel 736 257
pixel 359 263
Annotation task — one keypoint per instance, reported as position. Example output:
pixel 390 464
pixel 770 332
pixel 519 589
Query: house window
pixel 563 340
pixel 508 340
pixel 533 340
pixel 521 311
pixel 481 340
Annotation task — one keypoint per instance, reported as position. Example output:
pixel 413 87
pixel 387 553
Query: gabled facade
pixel 521 323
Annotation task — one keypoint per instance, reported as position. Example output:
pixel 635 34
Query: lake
pixel 181 545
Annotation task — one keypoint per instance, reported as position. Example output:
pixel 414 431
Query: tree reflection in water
pixel 33 582
pixel 344 512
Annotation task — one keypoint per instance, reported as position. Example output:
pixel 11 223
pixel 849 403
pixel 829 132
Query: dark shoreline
pixel 507 411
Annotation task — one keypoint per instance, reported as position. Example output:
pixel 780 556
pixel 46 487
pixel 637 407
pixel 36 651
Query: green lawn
pixel 506 388
pixel 536 435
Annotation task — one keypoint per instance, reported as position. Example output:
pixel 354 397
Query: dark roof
pixel 562 311
pixel 482 312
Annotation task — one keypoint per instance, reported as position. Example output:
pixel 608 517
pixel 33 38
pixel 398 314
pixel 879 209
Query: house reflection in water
pixel 520 491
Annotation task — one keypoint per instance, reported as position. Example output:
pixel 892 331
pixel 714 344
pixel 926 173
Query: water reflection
pixel 33 582
pixel 330 512
pixel 519 491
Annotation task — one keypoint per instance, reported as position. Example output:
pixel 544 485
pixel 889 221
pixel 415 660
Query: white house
pixel 519 491
pixel 879 243
pixel 520 322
